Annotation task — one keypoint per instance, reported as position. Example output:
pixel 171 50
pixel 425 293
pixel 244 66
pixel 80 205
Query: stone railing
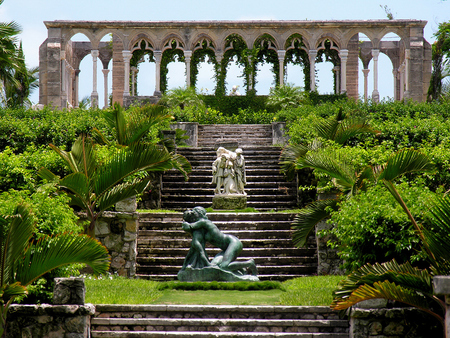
pixel 69 316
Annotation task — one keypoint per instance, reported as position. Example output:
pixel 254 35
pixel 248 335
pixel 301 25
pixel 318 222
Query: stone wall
pixel 117 231
pixel 392 322
pixel 69 317
pixel 328 261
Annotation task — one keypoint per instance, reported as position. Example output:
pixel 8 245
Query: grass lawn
pixel 305 291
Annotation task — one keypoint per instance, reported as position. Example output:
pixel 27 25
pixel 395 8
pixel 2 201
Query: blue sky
pixel 31 14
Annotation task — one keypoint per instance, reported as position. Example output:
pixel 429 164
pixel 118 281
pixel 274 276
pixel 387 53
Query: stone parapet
pixel 118 231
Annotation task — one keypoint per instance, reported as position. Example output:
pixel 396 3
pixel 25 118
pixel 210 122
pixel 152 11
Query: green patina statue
pixel 223 266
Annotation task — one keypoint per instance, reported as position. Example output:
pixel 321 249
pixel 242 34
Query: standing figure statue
pixel 239 169
pixel 204 231
pixel 228 171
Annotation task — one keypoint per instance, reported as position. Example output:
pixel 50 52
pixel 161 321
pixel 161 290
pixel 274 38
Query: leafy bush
pixel 372 227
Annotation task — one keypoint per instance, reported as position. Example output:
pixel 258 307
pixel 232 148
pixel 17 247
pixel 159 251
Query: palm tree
pixel 26 80
pixel 95 186
pixel 23 261
pixel 403 282
pixel 9 60
pixel 346 179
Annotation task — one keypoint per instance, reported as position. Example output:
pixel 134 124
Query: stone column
pixel 94 95
pixel 157 54
pixel 375 93
pixel 343 54
pixel 401 73
pixel 187 60
pixel 77 84
pixel 281 55
pixel 395 77
pixel 441 286
pixel 407 93
pixel 312 64
pixel 134 72
pixel 337 73
pixel 63 79
pixel 105 85
pixel 126 61
pixel 366 87
pixel 250 79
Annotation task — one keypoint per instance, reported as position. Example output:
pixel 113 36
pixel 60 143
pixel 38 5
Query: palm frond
pixel 437 235
pixel 305 221
pixel 350 127
pixel 116 120
pixel 122 191
pixel 402 274
pixel 83 156
pixel 289 157
pixel 16 241
pixel 386 290
pixel 77 183
pixel 10 291
pixel 50 253
pixel 129 161
pixel 403 162
pixel 182 164
pixel 332 163
pixel 46 174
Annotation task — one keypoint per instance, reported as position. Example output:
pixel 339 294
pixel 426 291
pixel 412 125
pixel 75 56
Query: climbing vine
pixel 328 54
pixel 205 53
pixel 172 54
pixel 139 57
pixel 296 55
pixel 264 51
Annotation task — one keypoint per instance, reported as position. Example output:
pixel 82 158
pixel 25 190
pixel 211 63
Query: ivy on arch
pixel 328 51
pixel 203 51
pixel 140 49
pixel 297 55
pixel 265 51
pixel 235 46
pixel 173 52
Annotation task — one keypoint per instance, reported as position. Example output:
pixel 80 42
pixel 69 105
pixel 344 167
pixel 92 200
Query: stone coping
pixel 210 308
pixel 221 322
pixel 196 334
pixel 48 309
pixel 232 23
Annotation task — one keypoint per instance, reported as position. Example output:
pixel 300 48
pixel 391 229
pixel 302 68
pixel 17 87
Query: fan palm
pixel 402 282
pixel 130 130
pixel 95 186
pixel 347 180
pixel 9 58
pixel 24 261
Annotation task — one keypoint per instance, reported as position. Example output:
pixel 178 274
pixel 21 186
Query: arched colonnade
pixel 278 41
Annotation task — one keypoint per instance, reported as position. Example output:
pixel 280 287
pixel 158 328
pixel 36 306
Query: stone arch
pixel 202 47
pixel 142 50
pixel 297 54
pixel 172 41
pixel 328 51
pixel 266 52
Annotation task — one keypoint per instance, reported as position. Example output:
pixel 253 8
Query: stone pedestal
pixel 229 202
pixel 69 291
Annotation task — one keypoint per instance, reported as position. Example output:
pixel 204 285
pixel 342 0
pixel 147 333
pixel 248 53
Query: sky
pixel 30 15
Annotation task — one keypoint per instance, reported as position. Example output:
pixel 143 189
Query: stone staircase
pixel 245 134
pixel 267 188
pixel 163 245
pixel 216 321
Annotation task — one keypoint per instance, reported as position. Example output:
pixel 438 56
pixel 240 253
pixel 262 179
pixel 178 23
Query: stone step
pixel 242 234
pixel 248 252
pixel 223 225
pixel 194 334
pixel 216 321
pixel 220 325
pixel 260 261
pixel 222 216
pixel 262 277
pixel 247 243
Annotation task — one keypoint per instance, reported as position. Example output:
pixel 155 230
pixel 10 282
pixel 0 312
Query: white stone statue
pixel 228 171
pixel 234 91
